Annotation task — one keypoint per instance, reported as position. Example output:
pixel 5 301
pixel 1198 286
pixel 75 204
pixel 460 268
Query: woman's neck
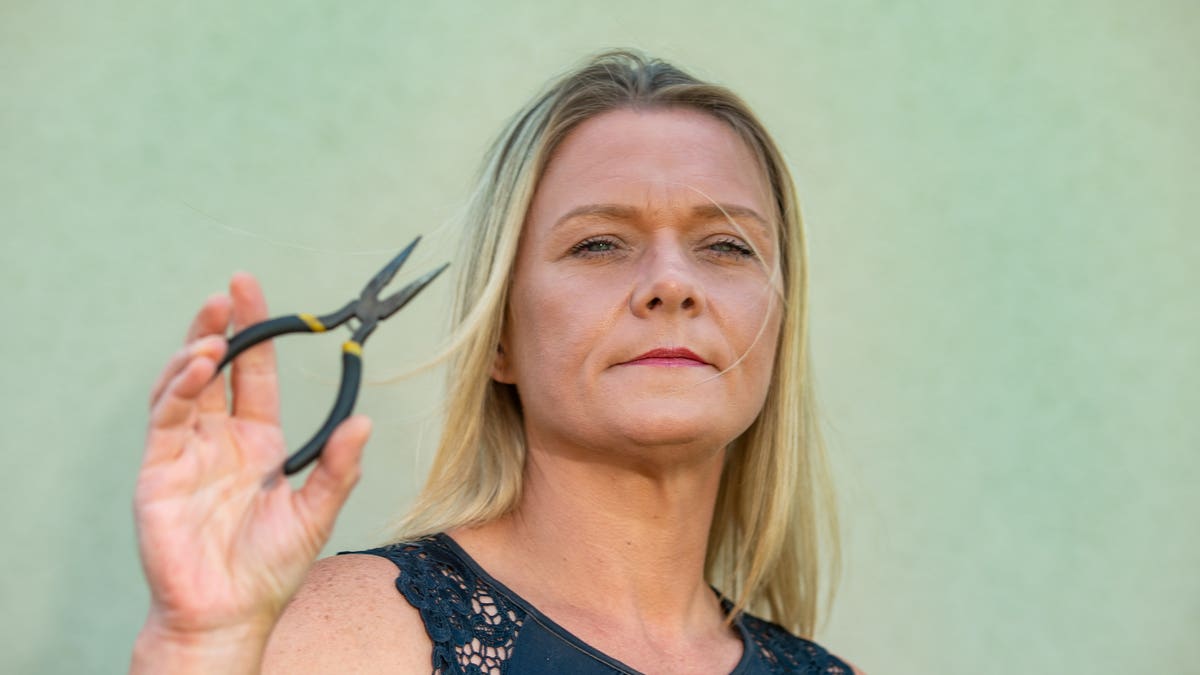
pixel 607 539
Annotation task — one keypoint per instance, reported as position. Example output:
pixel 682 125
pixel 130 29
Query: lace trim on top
pixel 786 653
pixel 474 627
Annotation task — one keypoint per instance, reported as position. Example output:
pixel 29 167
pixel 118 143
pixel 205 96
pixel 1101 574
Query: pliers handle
pixel 347 391
pixel 369 310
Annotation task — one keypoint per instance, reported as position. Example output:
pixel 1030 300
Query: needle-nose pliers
pixel 368 310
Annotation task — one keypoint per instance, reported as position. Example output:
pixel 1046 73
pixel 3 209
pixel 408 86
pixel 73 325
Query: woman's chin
pixel 678 425
pixel 635 422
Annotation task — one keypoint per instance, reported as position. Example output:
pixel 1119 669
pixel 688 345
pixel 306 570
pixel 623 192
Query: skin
pixel 625 456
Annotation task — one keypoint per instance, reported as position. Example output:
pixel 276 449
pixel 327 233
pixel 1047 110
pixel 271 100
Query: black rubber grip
pixel 342 407
pixel 260 332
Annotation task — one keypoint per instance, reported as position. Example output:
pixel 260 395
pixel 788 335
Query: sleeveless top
pixel 480 627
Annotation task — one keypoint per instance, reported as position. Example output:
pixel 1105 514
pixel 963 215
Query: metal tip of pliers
pixel 386 274
pixel 404 295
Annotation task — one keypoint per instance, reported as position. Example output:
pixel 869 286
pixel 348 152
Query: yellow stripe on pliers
pixel 352 347
pixel 314 324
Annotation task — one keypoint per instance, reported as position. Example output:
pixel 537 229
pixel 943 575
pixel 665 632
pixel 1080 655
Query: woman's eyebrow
pixel 701 211
pixel 722 211
pixel 727 212
pixel 607 211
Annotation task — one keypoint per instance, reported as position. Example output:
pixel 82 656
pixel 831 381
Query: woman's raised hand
pixel 224 540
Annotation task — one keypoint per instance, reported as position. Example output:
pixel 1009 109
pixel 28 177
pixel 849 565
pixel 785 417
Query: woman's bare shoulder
pixel 349 617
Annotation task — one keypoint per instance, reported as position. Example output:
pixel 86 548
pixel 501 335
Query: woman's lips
pixel 671 357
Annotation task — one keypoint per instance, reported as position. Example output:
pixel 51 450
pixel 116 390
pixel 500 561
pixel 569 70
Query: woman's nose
pixel 666 284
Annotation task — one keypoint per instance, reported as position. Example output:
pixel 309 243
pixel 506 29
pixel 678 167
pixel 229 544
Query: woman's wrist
pixel 236 649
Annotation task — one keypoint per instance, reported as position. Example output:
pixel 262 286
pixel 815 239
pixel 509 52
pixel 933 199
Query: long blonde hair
pixel 775 507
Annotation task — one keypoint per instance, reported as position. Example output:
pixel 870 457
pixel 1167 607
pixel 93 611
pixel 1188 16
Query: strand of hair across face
pixel 773 276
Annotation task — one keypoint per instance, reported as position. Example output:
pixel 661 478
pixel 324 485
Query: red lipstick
pixel 667 356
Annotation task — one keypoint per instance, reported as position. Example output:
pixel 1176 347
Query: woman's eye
pixel 594 246
pixel 731 247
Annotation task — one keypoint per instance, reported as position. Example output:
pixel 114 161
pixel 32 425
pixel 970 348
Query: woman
pixel 629 420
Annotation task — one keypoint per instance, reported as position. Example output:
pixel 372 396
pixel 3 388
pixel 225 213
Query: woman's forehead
pixel 652 158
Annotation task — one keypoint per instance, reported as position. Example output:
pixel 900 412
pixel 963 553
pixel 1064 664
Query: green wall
pixel 1001 201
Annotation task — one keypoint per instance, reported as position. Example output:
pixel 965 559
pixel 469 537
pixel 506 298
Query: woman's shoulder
pixel 347 617
pixel 789 653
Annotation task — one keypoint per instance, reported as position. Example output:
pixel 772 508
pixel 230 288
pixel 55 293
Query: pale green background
pixel 1001 199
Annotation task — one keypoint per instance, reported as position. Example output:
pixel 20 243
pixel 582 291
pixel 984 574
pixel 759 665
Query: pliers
pixel 369 310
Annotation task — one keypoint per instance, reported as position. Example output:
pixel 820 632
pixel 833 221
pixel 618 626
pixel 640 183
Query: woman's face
pixel 639 314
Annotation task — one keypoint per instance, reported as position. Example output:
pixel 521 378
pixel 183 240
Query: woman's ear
pixel 501 368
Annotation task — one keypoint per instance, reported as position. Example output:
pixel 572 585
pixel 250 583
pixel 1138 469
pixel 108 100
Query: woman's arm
pixel 348 617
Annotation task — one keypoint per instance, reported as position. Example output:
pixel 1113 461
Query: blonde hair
pixel 775 505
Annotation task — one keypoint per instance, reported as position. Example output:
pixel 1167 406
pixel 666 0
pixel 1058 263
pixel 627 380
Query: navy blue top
pixel 479 626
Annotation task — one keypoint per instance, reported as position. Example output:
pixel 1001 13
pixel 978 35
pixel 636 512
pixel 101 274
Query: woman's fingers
pixel 174 412
pixel 336 473
pixel 212 319
pixel 255 381
pixel 178 360
pixel 209 320
pixel 185 378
